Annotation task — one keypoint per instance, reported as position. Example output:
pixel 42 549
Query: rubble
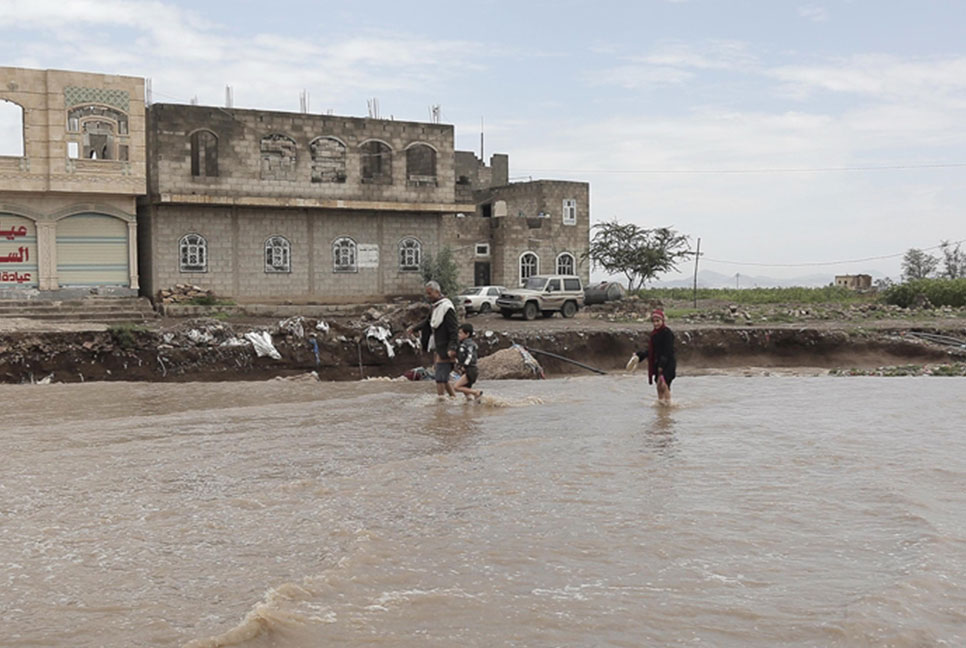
pixel 183 294
pixel 506 364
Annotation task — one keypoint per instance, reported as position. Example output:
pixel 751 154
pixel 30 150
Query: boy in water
pixel 661 364
pixel 466 358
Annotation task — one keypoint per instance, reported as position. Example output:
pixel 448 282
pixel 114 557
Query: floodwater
pixel 755 512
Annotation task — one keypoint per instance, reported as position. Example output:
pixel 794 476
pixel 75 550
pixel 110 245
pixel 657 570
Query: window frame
pixel 275 244
pixel 403 248
pixel 569 211
pixel 200 246
pixel 573 264
pixel 338 245
pixel 520 266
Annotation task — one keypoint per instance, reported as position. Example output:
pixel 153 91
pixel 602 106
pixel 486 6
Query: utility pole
pixel 697 255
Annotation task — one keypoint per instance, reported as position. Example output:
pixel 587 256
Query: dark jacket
pixel 446 336
pixel 663 358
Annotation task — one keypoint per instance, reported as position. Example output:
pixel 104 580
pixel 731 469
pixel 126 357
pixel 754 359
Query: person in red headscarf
pixel 661 364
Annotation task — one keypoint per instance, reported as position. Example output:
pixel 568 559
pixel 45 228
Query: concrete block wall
pixel 239 133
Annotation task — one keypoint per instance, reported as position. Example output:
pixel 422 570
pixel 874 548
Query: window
pixel 553 285
pixel 569 211
pixel 493 292
pixel 344 255
pixel 376 163
pixel 421 165
pixel 409 254
pixel 73 150
pixel 529 266
pixel 278 254
pixel 566 264
pixel 486 211
pixel 194 253
pixel 98 139
pixel 204 154
pixel 278 157
pixel 482 249
pixel 328 159
pixel 572 284
pixel 11 129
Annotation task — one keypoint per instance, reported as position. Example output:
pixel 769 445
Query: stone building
pixel 71 167
pixel 854 282
pixel 268 206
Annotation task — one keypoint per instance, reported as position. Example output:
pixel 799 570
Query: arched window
pixel 204 154
pixel 328 160
pixel 193 250
pixel 421 165
pixel 566 264
pixel 529 266
pixel 278 157
pixel 376 162
pixel 278 254
pixel 344 255
pixel 410 254
pixel 97 132
pixel 11 129
pixel 98 139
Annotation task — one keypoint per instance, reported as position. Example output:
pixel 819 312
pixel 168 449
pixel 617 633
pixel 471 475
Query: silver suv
pixel 544 294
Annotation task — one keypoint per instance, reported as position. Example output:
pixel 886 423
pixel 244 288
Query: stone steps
pixel 104 309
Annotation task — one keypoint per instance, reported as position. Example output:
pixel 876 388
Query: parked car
pixel 544 294
pixel 480 299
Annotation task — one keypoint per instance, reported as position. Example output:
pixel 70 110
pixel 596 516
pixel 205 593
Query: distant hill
pixel 712 279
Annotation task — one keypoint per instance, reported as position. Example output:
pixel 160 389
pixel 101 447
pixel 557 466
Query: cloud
pixel 674 63
pixel 813 13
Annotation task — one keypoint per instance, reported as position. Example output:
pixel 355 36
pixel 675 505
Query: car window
pixel 554 285
pixel 571 284
pixel 471 291
pixel 493 292
pixel 535 283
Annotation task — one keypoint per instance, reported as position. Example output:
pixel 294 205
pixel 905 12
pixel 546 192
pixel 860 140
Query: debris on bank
pixel 955 369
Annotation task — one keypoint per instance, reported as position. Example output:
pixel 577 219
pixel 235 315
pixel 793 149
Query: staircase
pixel 88 309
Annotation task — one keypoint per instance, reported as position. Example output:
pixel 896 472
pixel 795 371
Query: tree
pixel 637 253
pixel 916 264
pixel 442 270
pixel 954 261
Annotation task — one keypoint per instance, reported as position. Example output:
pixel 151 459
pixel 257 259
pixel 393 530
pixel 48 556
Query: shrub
pixel 796 295
pixel 939 292
pixel 124 334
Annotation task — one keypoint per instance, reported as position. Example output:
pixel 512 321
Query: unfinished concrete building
pixel 267 206
pixel 71 168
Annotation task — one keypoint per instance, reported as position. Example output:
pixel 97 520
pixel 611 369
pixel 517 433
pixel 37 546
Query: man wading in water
pixel 439 334
pixel 661 364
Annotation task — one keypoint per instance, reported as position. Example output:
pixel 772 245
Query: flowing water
pixel 754 512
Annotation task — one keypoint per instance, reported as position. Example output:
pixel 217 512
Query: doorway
pixel 481 273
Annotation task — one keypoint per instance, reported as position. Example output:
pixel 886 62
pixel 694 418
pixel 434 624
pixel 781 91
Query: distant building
pixel 265 205
pixel 68 190
pixel 854 282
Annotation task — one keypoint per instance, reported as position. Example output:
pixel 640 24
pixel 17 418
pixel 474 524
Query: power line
pixel 823 263
pixel 893 167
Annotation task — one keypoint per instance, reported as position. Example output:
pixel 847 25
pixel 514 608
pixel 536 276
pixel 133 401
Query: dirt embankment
pixel 372 346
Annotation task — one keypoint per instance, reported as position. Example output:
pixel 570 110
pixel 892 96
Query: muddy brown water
pixel 797 511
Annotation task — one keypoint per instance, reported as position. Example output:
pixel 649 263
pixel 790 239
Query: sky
pixel 791 137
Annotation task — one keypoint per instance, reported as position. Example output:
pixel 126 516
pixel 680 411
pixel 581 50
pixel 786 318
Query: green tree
pixel 954 260
pixel 441 269
pixel 637 253
pixel 916 264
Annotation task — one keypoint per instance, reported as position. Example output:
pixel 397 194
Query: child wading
pixel 661 365
pixel 466 358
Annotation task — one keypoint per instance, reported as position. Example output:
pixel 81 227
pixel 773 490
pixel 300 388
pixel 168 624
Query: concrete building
pixel 267 206
pixel 69 183
pixel 854 282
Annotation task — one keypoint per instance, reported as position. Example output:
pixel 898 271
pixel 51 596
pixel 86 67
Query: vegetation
pixel 935 292
pixel 441 269
pixel 797 295
pixel 916 264
pixel 209 300
pixel 637 253
pixel 125 334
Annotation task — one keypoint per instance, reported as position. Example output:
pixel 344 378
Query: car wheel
pixel 569 309
pixel 485 308
pixel 547 314
pixel 530 311
pixel 506 313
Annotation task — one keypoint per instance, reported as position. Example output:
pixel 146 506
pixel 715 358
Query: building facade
pixel 265 206
pixel 854 282
pixel 69 186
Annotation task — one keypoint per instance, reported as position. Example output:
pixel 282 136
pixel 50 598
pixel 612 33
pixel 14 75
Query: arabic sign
pixel 368 255
pixel 18 251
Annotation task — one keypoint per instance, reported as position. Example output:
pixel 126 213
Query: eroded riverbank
pixel 211 349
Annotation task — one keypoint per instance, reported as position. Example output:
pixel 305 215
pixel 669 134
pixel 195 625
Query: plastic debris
pixel 262 341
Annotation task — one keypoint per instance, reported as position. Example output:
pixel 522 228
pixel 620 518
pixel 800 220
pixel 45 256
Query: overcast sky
pixel 782 133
